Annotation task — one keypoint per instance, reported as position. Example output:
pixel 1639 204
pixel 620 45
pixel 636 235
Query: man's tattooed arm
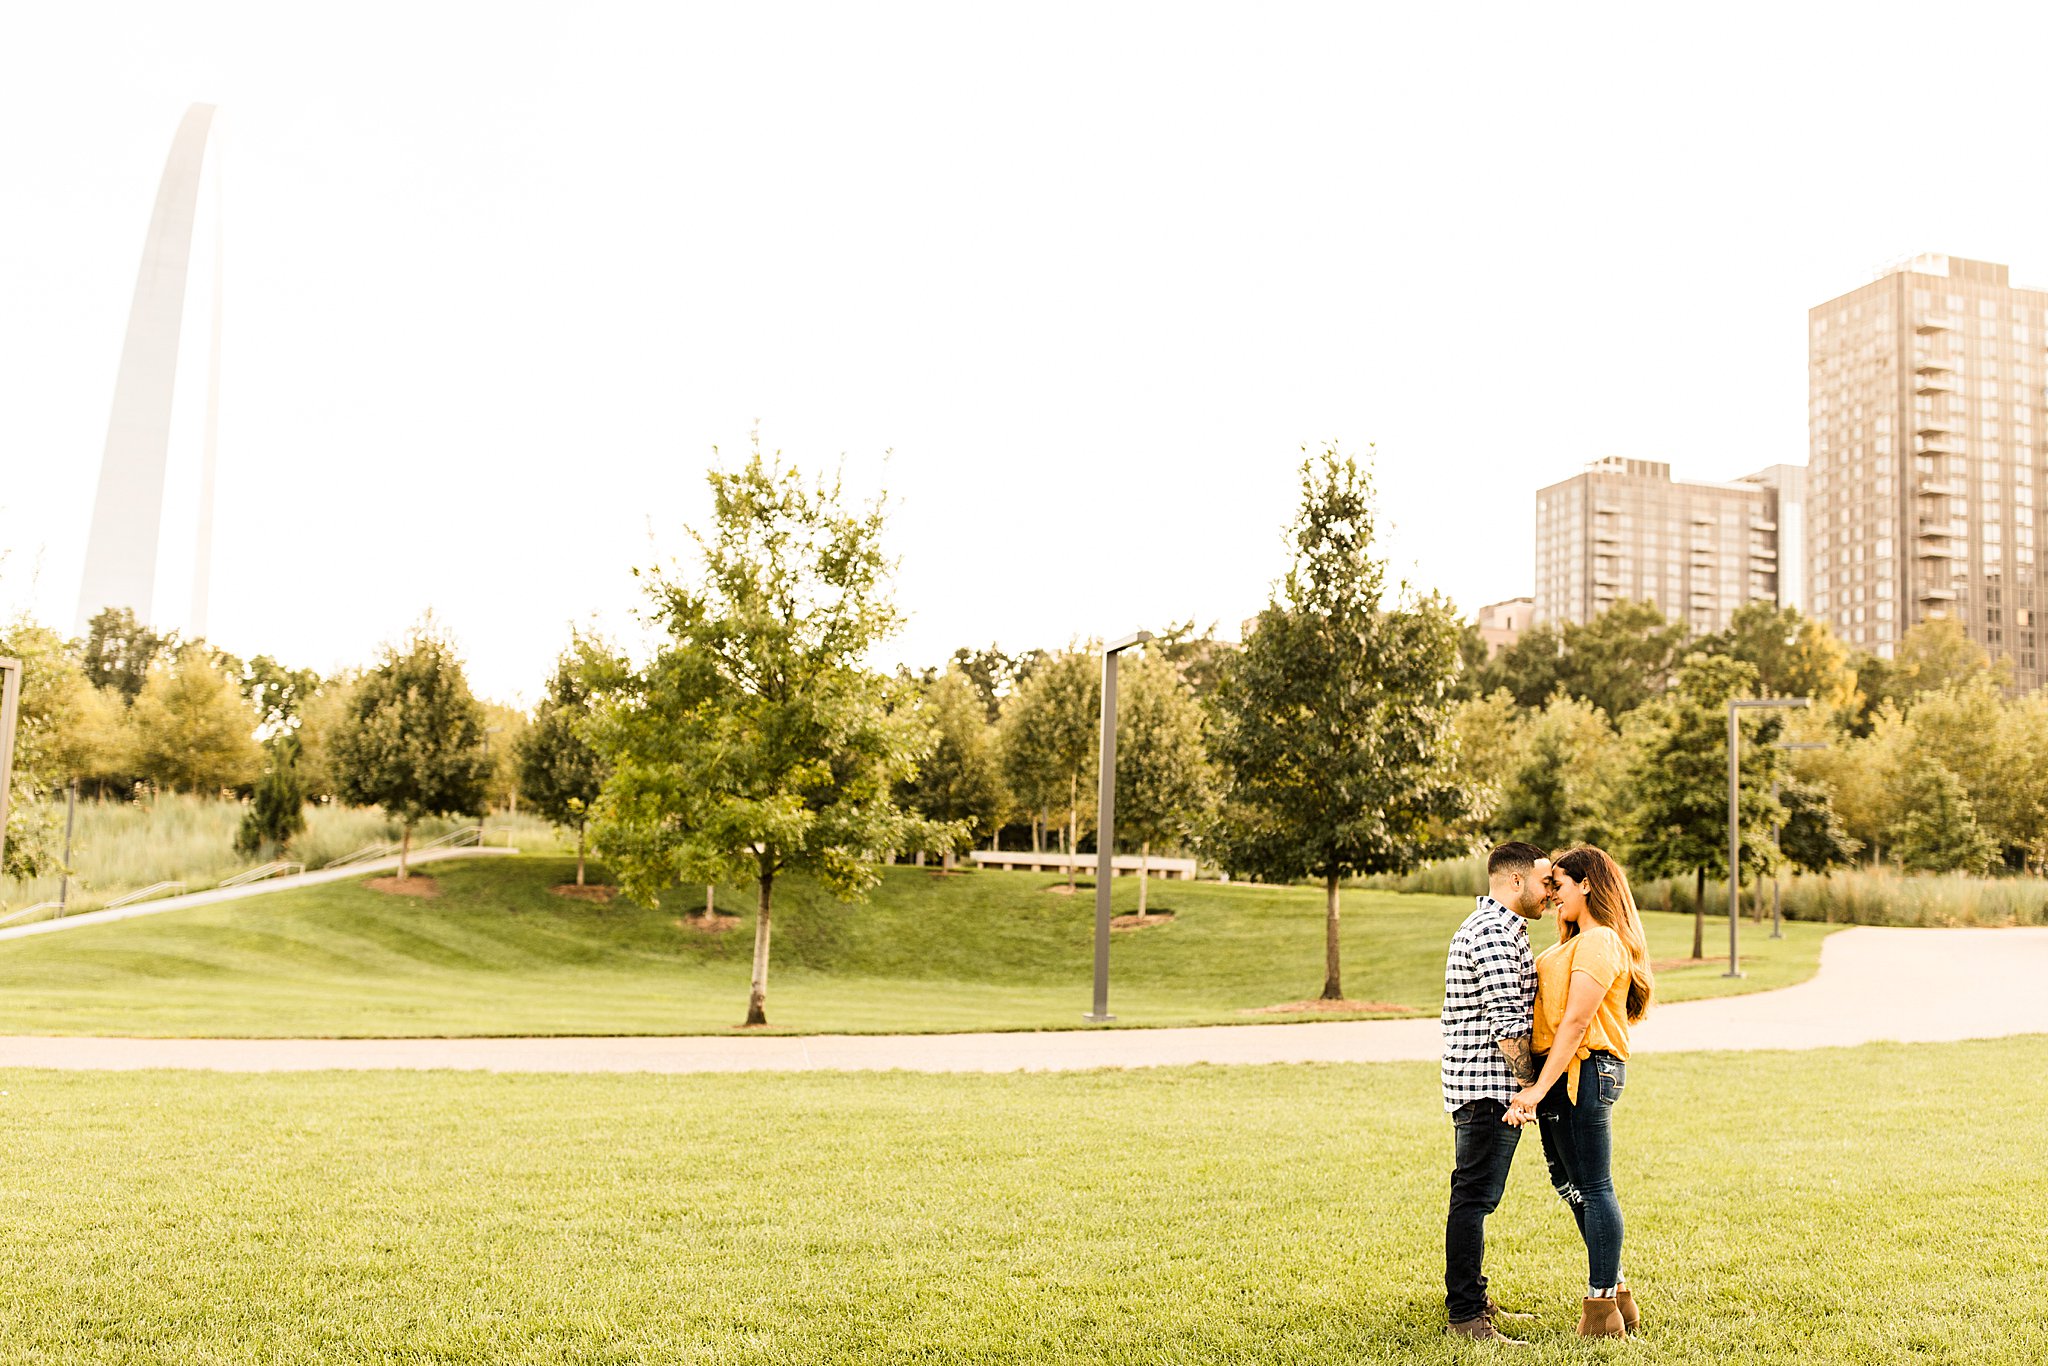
pixel 1521 1059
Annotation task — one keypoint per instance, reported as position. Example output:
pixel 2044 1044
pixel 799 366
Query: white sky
pixel 499 279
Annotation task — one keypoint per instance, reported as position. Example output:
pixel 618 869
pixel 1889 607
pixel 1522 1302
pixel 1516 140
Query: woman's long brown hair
pixel 1610 903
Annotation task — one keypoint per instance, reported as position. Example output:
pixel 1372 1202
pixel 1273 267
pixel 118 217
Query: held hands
pixel 1522 1109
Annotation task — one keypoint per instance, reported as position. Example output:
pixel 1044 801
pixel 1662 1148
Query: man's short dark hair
pixel 1516 856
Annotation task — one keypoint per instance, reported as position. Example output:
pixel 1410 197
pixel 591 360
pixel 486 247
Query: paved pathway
pixel 264 888
pixel 1911 986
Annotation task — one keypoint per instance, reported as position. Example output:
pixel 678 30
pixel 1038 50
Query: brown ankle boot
pixel 1627 1301
pixel 1601 1318
pixel 1482 1330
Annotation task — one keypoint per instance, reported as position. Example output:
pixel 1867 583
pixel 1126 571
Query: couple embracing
pixel 1542 1037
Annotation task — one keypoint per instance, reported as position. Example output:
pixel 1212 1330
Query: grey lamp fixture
pixel 1105 822
pixel 1734 820
pixel 10 711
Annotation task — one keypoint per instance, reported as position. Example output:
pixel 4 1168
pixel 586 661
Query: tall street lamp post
pixel 1105 822
pixel 1778 836
pixel 10 709
pixel 1735 817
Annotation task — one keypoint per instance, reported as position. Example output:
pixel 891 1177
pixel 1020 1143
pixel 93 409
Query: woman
pixel 1589 986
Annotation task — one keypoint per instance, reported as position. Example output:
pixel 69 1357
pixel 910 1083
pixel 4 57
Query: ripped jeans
pixel 1578 1145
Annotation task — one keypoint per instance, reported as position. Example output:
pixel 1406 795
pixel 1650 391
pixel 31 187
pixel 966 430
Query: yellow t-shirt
pixel 1599 953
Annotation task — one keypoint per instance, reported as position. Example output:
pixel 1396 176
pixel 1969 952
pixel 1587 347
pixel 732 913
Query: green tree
pixel 276 693
pixel 1937 830
pixel 191 730
pixel 119 651
pixel 1617 661
pixel 505 728
pixel 756 742
pixel 1199 658
pixel 1679 779
pixel 1164 785
pixel 277 814
pixel 413 739
pixel 1333 724
pixel 1051 732
pixel 53 740
pixel 1794 656
pixel 1812 836
pixel 1570 783
pixel 1937 654
pixel 558 770
pixel 959 786
pixel 1490 735
pixel 323 717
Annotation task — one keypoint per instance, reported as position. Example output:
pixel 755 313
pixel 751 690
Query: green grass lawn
pixel 499 953
pixel 1871 1205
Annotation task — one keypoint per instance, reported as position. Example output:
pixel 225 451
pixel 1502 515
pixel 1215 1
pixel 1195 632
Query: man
pixel 1489 1014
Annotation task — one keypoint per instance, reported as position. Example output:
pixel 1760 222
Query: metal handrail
pixel 454 839
pixel 367 852
pixel 28 911
pixel 148 893
pixel 262 871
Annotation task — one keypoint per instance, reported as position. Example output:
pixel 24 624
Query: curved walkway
pixel 1906 986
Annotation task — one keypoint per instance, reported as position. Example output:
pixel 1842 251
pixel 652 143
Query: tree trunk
pixel 1144 860
pixel 1699 913
pixel 404 851
pixel 579 856
pixel 1073 831
pixel 1667 894
pixel 1333 980
pixel 1038 833
pixel 710 900
pixel 757 998
pixel 920 858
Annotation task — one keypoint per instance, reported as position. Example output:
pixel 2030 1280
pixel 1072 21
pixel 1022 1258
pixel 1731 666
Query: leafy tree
pixel 1570 783
pixel 1679 777
pixel 119 651
pixel 959 786
pixel 756 742
pixel 412 742
pixel 1164 785
pixel 276 693
pixel 1937 654
pixel 1812 836
pixel 1199 659
pixel 1051 732
pixel 54 698
pixel 1489 735
pixel 1617 661
pixel 192 732
pixel 991 674
pixel 322 718
pixel 1937 831
pixel 1794 655
pixel 1531 670
pixel 277 814
pixel 1333 724
pixel 558 770
pixel 505 728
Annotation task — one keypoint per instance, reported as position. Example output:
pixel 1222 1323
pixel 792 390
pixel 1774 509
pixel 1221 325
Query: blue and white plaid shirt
pixel 1489 995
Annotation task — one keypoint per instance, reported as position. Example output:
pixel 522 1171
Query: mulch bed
pixel 411 886
pixel 1131 922
pixel 707 924
pixel 589 891
pixel 1668 964
pixel 1333 1008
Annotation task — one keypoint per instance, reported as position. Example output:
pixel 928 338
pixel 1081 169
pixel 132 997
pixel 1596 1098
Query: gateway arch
pixel 127 514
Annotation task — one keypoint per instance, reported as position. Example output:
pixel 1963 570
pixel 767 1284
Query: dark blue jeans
pixel 1578 1145
pixel 1485 1151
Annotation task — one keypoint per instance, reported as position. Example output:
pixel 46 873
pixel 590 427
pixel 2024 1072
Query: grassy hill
pixel 499 952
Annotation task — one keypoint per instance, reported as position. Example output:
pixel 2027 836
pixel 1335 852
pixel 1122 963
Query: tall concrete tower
pixel 127 515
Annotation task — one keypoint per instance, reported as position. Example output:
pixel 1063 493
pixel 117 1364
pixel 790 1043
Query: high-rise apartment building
pixel 1923 387
pixel 1626 530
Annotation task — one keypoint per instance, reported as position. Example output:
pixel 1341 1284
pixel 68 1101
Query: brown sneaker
pixel 1482 1330
pixel 1601 1318
pixel 1496 1313
pixel 1627 1300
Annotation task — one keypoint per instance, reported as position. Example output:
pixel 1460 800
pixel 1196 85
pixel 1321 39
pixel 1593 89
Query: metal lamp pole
pixel 1778 835
pixel 1734 817
pixel 1105 823
pixel 10 710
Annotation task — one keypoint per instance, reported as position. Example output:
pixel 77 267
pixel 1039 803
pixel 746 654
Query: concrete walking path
pixel 214 895
pixel 1908 986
